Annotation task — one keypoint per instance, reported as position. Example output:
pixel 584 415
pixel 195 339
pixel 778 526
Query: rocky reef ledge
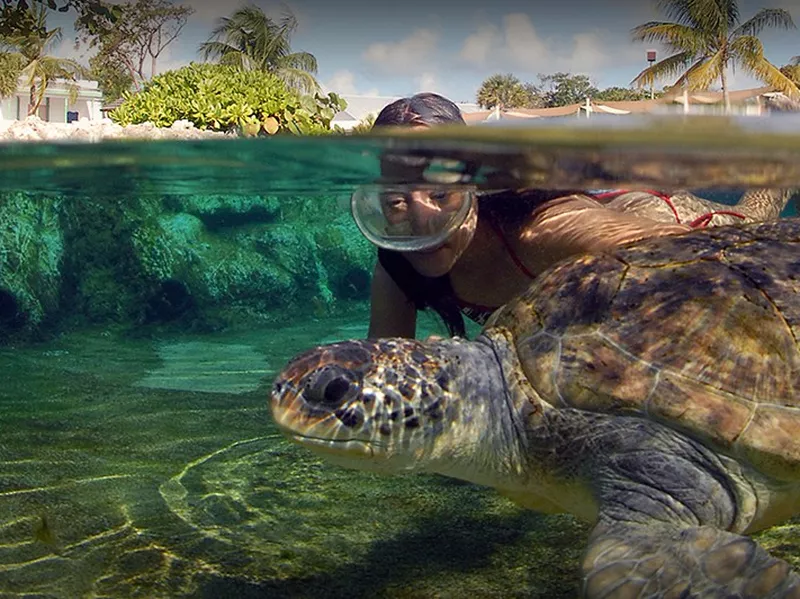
pixel 35 129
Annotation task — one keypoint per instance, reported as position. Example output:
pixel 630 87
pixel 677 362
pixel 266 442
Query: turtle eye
pixel 329 387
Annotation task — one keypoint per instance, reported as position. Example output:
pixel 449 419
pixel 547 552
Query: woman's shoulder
pixel 510 207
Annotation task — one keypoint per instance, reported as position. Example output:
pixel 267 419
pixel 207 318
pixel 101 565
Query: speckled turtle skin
pixel 653 391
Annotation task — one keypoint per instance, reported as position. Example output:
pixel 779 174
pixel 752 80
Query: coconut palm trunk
pixel 33 106
pixel 726 96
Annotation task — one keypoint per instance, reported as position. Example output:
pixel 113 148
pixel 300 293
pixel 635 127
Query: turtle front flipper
pixel 656 560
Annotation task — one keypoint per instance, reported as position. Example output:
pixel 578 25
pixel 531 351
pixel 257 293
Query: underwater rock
pixel 223 272
pixel 292 249
pixel 221 211
pixel 31 251
pixel 103 280
pixel 348 258
pixel 35 129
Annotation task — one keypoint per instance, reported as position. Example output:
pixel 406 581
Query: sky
pixel 401 47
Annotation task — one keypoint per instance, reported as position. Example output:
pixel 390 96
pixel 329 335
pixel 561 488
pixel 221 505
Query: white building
pixel 55 106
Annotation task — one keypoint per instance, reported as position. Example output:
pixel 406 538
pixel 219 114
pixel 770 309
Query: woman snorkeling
pixel 466 254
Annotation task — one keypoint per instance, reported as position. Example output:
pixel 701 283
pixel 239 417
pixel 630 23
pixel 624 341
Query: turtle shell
pixel 698 331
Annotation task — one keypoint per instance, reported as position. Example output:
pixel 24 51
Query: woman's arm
pixel 391 312
pixel 578 224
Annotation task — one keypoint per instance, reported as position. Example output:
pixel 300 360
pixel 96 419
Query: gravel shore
pixel 35 129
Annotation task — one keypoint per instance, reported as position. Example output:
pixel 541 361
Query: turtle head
pixel 393 404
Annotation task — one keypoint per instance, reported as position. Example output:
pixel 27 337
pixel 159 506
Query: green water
pixel 137 455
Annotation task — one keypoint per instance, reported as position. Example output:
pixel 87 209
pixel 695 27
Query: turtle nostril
pixel 330 387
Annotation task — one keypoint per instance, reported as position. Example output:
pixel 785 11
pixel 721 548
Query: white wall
pixel 87 104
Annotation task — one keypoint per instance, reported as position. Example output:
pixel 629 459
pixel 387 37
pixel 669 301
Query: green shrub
pixel 226 98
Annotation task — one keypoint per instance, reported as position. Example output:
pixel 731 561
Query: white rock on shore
pixel 35 129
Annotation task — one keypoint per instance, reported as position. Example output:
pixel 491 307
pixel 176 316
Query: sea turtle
pixel 653 391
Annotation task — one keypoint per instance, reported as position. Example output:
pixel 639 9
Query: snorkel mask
pixel 410 217
pixel 419 216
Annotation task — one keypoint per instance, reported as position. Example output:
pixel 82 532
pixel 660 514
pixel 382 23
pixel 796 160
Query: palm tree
pixel 253 41
pixel 792 70
pixel 705 38
pixel 29 52
pixel 506 91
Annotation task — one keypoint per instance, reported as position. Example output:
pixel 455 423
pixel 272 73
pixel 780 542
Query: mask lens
pixel 409 218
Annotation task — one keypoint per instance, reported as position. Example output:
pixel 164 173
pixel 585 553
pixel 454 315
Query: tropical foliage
pixel 11 66
pixel 792 70
pixel 28 52
pixel 15 15
pixel 130 39
pixel 707 37
pixel 563 89
pixel 619 94
pixel 557 89
pixel 227 98
pixel 507 91
pixel 365 125
pixel 251 40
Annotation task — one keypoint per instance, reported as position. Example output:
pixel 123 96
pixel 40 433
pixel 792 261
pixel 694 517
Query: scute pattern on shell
pixel 699 331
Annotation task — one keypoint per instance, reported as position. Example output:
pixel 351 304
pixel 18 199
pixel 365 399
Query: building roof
pixel 771 99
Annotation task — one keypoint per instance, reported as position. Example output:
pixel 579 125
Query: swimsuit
pixel 478 313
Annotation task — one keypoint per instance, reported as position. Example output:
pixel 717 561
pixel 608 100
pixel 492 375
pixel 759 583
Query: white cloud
pixel 518 46
pixel 427 82
pixel 406 56
pixel 343 82
pixel 523 45
pixel 478 46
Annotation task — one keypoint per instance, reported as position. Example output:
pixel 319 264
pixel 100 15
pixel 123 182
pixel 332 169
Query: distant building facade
pixel 55 107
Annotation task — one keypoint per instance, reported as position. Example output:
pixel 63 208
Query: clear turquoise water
pixel 149 292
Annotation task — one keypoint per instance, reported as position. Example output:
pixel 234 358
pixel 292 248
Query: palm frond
pixel 678 10
pixel 251 40
pixel 764 18
pixel 703 73
pixel 794 60
pixel 299 60
pixel 729 10
pixel 64 68
pixel 715 17
pixel 215 50
pixel 51 39
pixel 792 72
pixel 667 68
pixel 749 52
pixel 681 38
pixel 298 80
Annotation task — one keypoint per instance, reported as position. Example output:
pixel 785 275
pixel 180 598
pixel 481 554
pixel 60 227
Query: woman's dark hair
pixel 436 293
pixel 501 208
pixel 421 109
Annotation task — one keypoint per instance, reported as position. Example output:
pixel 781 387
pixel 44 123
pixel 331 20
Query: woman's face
pixel 419 210
pixel 439 260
